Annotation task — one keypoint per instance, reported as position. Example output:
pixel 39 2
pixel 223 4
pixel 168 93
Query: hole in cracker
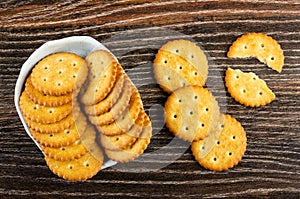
pixel 191 113
pixel 74 64
pixel 177 51
pixel 180 67
pixel 59 72
pixel 104 76
pixel 262 45
pixel 169 78
pixel 222 125
pixel 272 58
pixel 202 147
pixel 260 93
pixel 50 135
pixel 74 76
pixel 63 148
pixel 102 62
pixel 96 90
pixel 214 159
pixel 91 63
pixel 244 91
pixel 70 166
pixel 94 76
pixel 179 100
pixel 58 84
pixel 254 78
pixel 60 59
pixel 218 142
pixel 183 84
pixel 46 68
pixel 206 109
pixel 35 107
pixel 186 128
pixel 245 47
pixel 44 79
pixel 175 116
pixel 202 124
pixel 233 137
pixel 86 164
pixel 165 61
pixel 192 56
pixel 195 73
pixel 67 131
pixel 230 153
pixel 50 111
pixel 237 76
pixel 117 139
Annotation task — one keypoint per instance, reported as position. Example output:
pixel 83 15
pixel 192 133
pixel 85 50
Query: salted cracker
pixel 247 88
pixel 43 114
pixel 191 113
pixel 228 149
pixel 261 46
pixel 103 70
pixel 59 73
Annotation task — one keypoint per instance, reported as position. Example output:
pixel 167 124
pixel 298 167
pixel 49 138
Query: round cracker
pixel 123 141
pixel 62 138
pixel 173 71
pixel 59 73
pixel 103 70
pixel 107 103
pixel 191 113
pixel 63 153
pixel 43 114
pixel 191 52
pixel 228 149
pixel 44 99
pixel 126 120
pixel 79 169
pixel 136 149
pixel 118 108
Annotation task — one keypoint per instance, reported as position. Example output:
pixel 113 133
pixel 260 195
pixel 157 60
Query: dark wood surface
pixel 271 165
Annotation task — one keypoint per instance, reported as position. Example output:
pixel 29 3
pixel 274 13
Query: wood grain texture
pixel 271 165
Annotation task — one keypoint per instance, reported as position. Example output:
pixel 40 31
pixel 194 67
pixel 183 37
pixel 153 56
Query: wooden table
pixel 131 29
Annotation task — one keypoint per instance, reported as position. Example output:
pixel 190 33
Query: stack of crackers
pixel 74 105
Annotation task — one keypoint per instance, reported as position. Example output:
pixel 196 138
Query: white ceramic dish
pixel 80 45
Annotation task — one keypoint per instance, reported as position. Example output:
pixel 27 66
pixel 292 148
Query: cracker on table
pixel 261 46
pixel 191 113
pixel 176 66
pixel 228 150
pixel 191 52
pixel 247 88
pixel 59 73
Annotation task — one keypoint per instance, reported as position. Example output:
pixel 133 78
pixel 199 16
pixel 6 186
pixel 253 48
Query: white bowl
pixel 80 45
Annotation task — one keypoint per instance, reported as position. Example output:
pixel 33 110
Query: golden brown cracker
pixel 248 88
pixel 110 100
pixel 103 70
pixel 258 45
pixel 63 138
pixel 119 107
pixel 191 52
pixel 43 114
pixel 53 127
pixel 43 99
pixel 191 113
pixel 179 72
pixel 68 152
pixel 79 169
pixel 126 120
pixel 120 142
pixel 135 150
pixel 59 73
pixel 228 150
